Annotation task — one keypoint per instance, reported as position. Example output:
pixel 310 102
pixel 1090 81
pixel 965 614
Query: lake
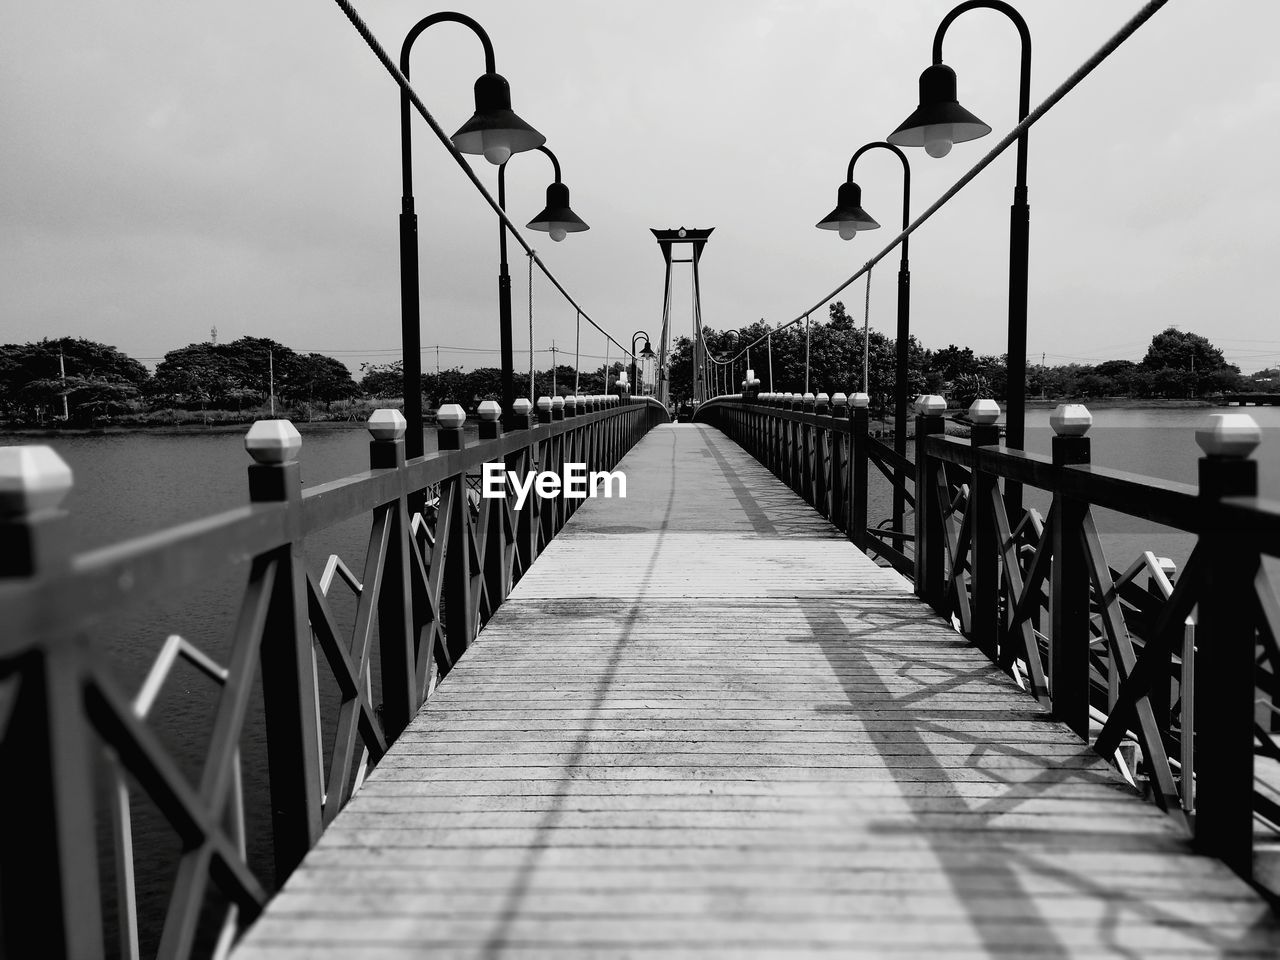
pixel 131 483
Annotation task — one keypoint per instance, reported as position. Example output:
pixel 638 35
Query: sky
pixel 167 168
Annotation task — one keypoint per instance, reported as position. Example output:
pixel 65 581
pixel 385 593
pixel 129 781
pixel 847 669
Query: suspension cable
pixel 367 35
pixel 1108 48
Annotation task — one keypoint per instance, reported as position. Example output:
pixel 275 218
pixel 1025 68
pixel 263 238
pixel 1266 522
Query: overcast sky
pixel 170 167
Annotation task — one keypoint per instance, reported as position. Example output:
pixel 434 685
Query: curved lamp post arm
pixel 1024 81
pixel 502 179
pixel 406 150
pixel 906 182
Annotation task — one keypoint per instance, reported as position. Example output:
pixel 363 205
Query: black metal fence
pixel 439 563
pixel 1173 679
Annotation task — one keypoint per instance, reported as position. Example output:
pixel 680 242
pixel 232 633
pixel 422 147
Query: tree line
pixel 83 381
pixel 1177 365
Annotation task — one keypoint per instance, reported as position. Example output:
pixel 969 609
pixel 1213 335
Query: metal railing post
pixel 397 625
pixel 984 543
pixel 930 551
pixel 288 663
pixel 1069 579
pixel 861 417
pixel 49 894
pixel 454 513
pixel 1225 651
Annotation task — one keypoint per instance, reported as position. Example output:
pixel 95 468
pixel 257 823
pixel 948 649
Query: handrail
pixel 1040 597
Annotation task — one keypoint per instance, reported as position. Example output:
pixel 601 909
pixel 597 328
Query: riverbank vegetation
pixel 1178 365
pixel 76 382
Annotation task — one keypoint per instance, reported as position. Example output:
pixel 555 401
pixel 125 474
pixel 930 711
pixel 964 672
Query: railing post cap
pixel 823 397
pixel 808 397
pixel 839 399
pixel 933 405
pixel 1229 435
pixel 984 411
pixel 387 424
pixel 33 479
pixel 1071 420
pixel 860 400
pixel 522 406
pixel 489 410
pixel 450 417
pixel 273 441
pixel 546 403
pixel 559 403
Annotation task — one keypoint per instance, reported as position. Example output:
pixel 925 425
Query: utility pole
pixel 553 368
pixel 271 379
pixel 62 369
pixel 1042 383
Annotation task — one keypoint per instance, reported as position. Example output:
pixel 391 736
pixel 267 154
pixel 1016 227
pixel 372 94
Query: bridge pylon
pixel 696 239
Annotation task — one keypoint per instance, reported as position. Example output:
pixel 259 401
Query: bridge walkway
pixel 704 725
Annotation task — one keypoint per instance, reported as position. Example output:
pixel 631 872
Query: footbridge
pixel 697 721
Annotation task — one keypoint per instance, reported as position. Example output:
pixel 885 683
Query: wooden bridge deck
pixel 705 725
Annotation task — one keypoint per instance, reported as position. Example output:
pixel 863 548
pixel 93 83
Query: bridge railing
pixel 1174 679
pixel 439 563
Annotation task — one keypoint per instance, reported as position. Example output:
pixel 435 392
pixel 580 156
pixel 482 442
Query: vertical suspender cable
pixel 806 353
pixel 770 342
pixel 577 344
pixel 533 393
pixel 866 335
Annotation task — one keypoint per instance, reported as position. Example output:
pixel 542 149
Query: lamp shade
pixel 556 218
pixel 646 351
pixel 939 121
pixel 848 217
pixel 494 130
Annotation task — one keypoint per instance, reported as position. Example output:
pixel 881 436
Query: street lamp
pixel 646 352
pixel 940 121
pixel 495 131
pixel 848 217
pixel 557 220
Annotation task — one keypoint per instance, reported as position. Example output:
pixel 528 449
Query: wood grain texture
pixel 704 725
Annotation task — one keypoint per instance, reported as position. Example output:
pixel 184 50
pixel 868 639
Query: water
pixel 131 483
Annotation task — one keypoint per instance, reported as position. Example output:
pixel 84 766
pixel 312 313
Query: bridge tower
pixel 696 239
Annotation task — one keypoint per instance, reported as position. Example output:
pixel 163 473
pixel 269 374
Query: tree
pixel 314 378
pixel 98 378
pixel 198 375
pixel 382 379
pixel 1186 364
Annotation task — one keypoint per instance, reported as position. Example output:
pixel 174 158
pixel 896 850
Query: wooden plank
pixel 704 724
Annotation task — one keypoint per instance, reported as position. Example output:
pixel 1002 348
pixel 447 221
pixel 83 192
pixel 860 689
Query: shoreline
pixel 110 429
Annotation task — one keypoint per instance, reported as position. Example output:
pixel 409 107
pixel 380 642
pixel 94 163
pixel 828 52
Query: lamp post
pixel 557 220
pixel 848 217
pixel 646 352
pixel 495 131
pixel 937 123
